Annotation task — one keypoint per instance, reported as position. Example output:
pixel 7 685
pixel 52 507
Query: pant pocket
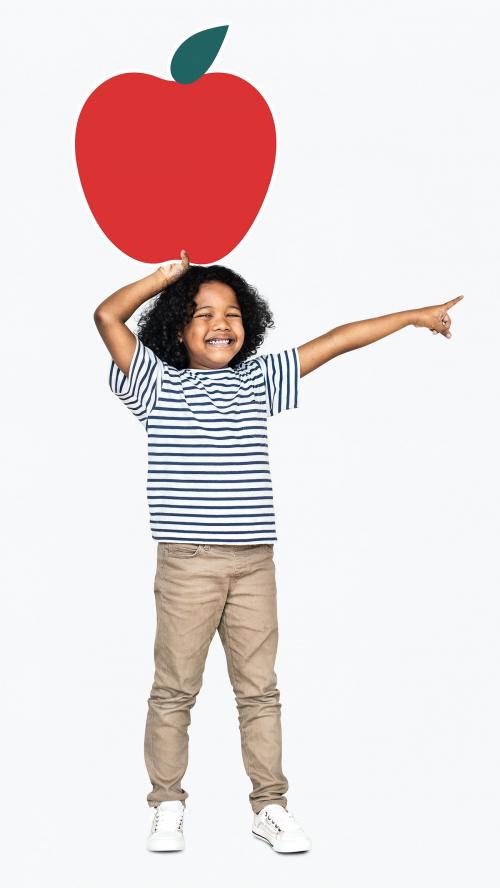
pixel 183 550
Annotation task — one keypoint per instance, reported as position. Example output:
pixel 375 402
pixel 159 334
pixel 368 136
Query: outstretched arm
pixel 350 336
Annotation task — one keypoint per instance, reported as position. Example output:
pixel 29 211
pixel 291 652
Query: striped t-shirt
pixel 209 479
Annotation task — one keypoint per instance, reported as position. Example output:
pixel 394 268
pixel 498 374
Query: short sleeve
pixel 281 377
pixel 139 389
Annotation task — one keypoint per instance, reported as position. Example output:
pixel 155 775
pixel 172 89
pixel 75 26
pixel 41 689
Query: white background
pixel 385 196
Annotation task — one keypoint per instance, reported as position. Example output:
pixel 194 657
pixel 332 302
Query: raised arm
pixel 110 315
pixel 359 333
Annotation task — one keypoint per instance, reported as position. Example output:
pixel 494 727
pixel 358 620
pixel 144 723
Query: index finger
pixel 453 301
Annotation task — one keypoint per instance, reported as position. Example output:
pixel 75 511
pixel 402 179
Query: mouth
pixel 219 342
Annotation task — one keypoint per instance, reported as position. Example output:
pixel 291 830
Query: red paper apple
pixel 182 163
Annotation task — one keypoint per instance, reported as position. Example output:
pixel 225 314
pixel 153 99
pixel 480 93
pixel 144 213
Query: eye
pixel 207 315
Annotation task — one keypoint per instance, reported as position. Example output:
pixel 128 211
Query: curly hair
pixel 174 306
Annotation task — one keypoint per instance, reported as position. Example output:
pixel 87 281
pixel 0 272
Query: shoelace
pixel 168 820
pixel 285 818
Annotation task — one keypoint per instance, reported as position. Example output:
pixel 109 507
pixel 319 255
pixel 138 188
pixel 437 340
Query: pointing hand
pixel 436 317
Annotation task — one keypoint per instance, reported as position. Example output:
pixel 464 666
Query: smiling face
pixel 217 316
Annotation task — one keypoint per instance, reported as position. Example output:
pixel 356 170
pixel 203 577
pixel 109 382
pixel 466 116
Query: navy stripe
pixel 213 499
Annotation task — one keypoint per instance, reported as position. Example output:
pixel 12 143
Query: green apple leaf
pixel 193 57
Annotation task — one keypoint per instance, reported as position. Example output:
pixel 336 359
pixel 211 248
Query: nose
pixel 222 325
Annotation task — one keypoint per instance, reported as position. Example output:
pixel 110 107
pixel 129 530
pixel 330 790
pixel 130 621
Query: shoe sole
pixel 166 849
pixel 280 850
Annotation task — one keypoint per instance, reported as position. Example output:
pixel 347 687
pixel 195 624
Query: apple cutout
pixel 182 163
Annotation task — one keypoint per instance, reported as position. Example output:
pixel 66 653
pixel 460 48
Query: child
pixel 191 378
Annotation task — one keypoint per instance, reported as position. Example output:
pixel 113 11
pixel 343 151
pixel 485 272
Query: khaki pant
pixel 200 589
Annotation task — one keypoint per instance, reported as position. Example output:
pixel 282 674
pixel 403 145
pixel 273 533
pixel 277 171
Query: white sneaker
pixel 279 828
pixel 166 830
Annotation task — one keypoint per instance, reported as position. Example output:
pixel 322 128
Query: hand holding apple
pixel 175 270
pixel 436 317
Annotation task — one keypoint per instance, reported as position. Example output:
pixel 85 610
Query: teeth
pixel 218 341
